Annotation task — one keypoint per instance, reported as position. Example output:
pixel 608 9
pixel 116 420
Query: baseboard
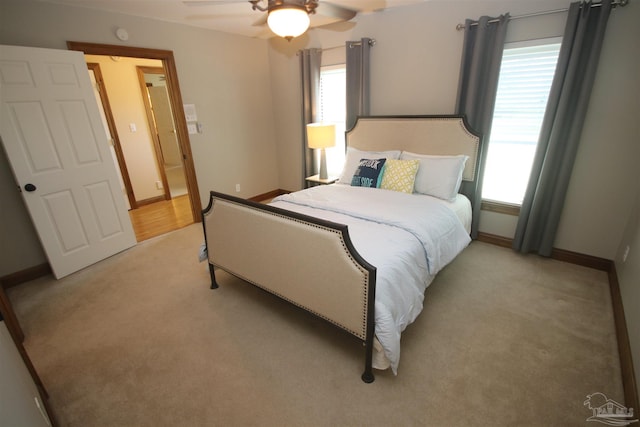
pixel 25 275
pixel 268 195
pixel 9 317
pixel 15 279
pixel 150 201
pixel 505 242
pixel 597 263
pixel 18 338
pixel 624 347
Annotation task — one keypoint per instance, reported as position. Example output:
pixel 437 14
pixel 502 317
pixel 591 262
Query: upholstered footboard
pixel 304 260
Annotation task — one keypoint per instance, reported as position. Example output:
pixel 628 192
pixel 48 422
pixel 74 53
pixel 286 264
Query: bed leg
pixel 212 273
pixel 367 375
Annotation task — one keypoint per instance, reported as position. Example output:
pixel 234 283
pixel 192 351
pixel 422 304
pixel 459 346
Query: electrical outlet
pixel 159 185
pixel 626 253
pixel 237 188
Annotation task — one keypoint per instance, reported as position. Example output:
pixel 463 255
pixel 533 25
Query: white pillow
pixel 438 176
pixel 353 157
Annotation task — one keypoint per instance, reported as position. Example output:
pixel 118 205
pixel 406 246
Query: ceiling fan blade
pixel 339 26
pixel 210 2
pixel 209 17
pixel 260 22
pixel 335 11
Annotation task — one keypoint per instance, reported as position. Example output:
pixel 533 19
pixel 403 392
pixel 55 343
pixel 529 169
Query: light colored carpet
pixel 140 340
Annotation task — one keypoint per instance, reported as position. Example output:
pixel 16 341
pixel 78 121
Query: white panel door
pixel 51 130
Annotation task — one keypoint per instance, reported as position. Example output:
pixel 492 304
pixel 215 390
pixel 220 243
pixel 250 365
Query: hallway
pixel 161 217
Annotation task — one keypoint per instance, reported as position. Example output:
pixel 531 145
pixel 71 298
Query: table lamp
pixel 320 135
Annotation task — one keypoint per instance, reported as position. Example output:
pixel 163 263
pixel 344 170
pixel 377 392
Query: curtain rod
pixel 614 4
pixel 372 42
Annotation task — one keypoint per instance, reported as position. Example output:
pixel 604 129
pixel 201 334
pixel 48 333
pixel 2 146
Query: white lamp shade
pixel 288 22
pixel 321 135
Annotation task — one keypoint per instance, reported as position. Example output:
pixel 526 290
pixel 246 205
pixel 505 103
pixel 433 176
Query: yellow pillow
pixel 400 175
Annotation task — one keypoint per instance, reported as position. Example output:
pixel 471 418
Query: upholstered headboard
pixel 436 135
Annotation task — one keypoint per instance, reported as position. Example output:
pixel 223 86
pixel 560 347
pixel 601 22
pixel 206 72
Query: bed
pixel 360 257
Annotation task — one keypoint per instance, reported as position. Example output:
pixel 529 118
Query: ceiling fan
pixel 287 18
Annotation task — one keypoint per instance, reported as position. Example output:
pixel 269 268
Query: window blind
pixel 526 74
pixel 333 94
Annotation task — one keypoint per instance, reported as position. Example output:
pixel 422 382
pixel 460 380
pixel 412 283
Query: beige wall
pixel 629 278
pixel 125 98
pixel 225 76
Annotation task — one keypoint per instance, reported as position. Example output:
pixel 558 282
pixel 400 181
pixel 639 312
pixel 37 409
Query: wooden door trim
pixel 175 98
pixel 141 70
pixel 106 106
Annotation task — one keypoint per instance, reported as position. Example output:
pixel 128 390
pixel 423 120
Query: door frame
pixel 106 106
pixel 142 70
pixel 175 98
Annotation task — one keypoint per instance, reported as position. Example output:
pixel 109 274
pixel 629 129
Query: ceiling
pixel 229 16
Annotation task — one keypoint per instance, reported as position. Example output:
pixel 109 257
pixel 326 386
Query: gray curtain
pixel 310 61
pixel 561 127
pixel 357 70
pixel 477 87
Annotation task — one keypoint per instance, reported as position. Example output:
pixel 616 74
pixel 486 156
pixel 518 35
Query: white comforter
pixel 407 237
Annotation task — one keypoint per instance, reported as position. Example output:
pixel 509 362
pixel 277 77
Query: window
pixel 333 105
pixel 525 79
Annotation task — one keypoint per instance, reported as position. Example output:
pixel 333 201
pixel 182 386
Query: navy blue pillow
pixel 368 173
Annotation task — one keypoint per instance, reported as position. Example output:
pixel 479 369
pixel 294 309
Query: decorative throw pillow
pixel 352 160
pixel 438 176
pixel 368 173
pixel 400 175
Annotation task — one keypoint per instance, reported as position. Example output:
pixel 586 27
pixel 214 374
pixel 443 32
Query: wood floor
pixel 161 217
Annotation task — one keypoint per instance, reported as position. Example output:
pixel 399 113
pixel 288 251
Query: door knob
pixel 30 187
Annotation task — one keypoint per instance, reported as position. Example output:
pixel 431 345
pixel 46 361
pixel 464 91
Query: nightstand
pixel 315 180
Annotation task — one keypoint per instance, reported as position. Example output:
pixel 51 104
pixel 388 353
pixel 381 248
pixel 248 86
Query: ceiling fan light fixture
pixel 288 21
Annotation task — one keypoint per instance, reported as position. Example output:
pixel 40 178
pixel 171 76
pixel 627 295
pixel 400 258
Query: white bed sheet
pixel 407 237
pixel 461 206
